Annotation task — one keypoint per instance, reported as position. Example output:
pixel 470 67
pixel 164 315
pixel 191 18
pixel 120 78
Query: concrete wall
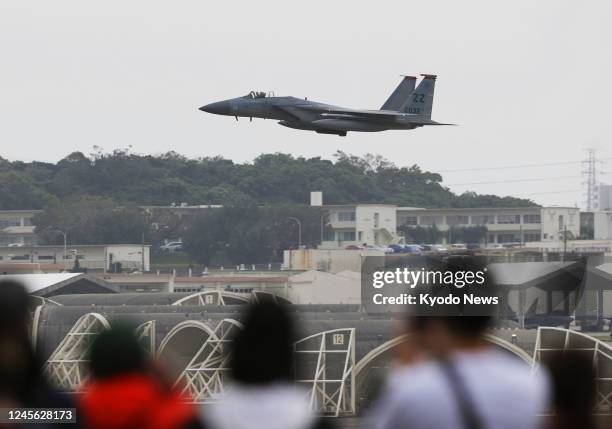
pixel 376 224
pixel 331 261
pixel 316 287
pixel 95 257
pixel 602 225
pixel 555 219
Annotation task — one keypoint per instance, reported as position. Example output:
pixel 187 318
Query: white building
pixel 602 225
pixel 359 224
pixel 377 224
pixel 16 227
pixel 604 200
pixel 90 256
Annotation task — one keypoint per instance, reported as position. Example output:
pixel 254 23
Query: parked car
pixel 439 248
pixel 15 245
pixel 386 250
pixel 397 248
pixel 495 246
pixel 473 246
pixel 458 246
pixel 412 248
pixel 172 246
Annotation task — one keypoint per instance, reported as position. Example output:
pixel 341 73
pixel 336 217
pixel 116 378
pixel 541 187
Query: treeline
pixel 126 178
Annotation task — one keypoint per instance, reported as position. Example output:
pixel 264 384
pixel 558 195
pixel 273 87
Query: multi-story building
pixel 376 224
pixel 91 256
pixel 503 225
pixel 604 200
pixel 17 228
pixel 359 224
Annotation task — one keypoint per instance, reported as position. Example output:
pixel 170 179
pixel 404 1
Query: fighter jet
pixel 407 108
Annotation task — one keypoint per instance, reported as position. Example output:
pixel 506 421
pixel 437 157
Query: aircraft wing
pixel 305 113
pixel 378 115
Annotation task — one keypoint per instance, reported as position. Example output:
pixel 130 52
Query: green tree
pixel 18 191
pixel 91 220
pixel 252 234
pixel 421 234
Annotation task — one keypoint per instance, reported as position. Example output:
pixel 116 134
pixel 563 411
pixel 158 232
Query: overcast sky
pixel 529 82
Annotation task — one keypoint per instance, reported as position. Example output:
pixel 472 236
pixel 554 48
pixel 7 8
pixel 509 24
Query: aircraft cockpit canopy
pixel 259 94
pixel 256 94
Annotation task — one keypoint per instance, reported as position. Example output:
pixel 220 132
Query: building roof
pixel 60 283
pixel 469 210
pixel 71 246
pixel 529 274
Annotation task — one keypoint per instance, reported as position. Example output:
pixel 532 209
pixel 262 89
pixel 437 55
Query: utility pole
pixel 322 216
pixel 299 224
pixel 564 241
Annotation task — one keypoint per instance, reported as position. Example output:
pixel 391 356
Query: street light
pixel 65 234
pixel 299 224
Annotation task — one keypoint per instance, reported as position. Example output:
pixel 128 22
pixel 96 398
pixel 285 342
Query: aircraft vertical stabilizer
pixel 420 101
pixel 397 99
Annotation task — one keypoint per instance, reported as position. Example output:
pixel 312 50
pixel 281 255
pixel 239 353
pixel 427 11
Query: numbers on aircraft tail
pixel 418 98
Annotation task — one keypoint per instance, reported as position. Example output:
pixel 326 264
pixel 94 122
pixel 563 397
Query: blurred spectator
pixel 463 382
pixel 450 376
pixel 262 394
pixel 125 391
pixel 574 392
pixel 22 384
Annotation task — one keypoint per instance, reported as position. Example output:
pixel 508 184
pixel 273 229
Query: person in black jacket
pixel 22 383
pixel 262 393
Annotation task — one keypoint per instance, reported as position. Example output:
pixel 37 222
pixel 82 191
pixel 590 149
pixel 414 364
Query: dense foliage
pixel 253 234
pixel 131 179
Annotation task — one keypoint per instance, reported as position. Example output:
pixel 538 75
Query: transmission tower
pixel 589 173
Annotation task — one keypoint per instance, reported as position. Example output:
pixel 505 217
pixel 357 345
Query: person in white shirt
pixel 451 376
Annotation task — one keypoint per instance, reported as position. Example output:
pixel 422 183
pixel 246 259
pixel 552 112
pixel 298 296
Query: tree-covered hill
pixel 131 179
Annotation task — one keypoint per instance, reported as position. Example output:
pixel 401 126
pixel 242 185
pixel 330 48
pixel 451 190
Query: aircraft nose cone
pixel 218 108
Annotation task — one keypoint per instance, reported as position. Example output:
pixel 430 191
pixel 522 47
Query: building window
pixel 431 220
pixel 506 238
pixel 456 220
pixel 376 220
pixel 346 235
pixel 506 218
pixel 20 257
pixel 561 223
pixel 410 220
pixel 531 237
pixel 6 223
pixel 483 220
pixel 346 216
pixel 360 235
pixel 531 218
pixel 45 257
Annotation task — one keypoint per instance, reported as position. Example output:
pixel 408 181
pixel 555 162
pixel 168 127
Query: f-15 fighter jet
pixel 407 108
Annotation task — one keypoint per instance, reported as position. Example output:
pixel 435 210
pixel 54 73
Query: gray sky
pixel 528 82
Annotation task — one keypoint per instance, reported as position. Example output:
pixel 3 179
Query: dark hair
pixel 116 352
pixel 464 323
pixel 263 350
pixel 21 375
pixel 573 378
pixel 14 307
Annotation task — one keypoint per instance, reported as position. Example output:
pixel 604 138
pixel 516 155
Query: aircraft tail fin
pixel 397 99
pixel 420 101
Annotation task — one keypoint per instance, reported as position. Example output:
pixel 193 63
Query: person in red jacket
pixel 126 392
